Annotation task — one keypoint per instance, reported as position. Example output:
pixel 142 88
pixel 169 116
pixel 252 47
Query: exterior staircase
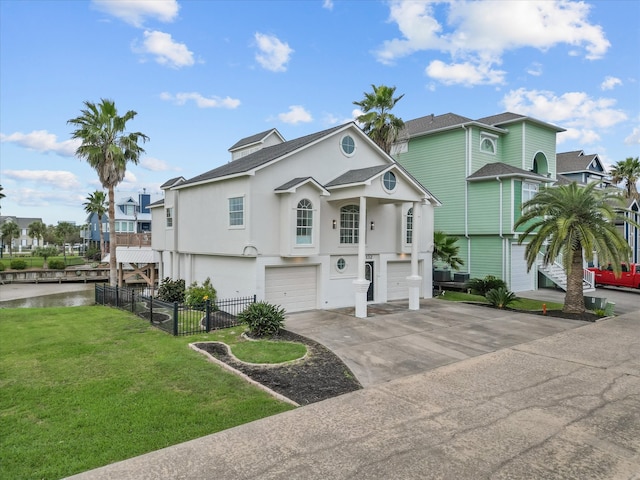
pixel 557 274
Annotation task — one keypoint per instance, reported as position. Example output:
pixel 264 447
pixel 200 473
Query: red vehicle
pixel 629 276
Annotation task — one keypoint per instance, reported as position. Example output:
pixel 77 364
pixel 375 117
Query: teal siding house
pixel 482 171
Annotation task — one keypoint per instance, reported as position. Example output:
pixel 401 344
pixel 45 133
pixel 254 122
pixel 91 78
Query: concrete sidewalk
pixel 565 406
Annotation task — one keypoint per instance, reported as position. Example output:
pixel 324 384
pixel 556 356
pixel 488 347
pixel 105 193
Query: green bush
pixel 171 290
pixel 56 264
pixel 18 264
pixel 501 297
pixel 480 286
pixel 93 253
pixel 263 319
pixel 197 295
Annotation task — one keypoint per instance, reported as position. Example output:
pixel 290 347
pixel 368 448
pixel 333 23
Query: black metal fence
pixel 174 318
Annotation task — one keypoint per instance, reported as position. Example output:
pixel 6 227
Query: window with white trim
pixel 488 143
pixel 349 224
pixel 236 212
pixel 169 215
pixel 389 181
pixel 408 236
pixel 304 222
pixel 529 190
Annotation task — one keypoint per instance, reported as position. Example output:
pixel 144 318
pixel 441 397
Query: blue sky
pixel 203 74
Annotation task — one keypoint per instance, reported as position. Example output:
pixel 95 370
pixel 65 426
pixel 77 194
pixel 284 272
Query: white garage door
pixel 293 288
pixel 521 280
pixel 397 273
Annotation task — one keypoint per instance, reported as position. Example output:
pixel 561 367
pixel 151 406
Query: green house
pixel 482 171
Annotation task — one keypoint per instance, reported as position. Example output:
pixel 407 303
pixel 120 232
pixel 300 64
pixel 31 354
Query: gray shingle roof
pixel 172 182
pixel 562 180
pixel 506 118
pixel 575 161
pixel 499 169
pixel 433 122
pixel 252 139
pixel 358 176
pixel 261 157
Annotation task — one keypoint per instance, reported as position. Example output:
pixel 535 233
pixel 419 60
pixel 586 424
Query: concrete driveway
pixel 393 342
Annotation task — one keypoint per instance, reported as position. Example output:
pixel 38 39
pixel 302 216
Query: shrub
pixel 18 264
pixel 480 286
pixel 171 290
pixel 263 319
pixel 56 264
pixel 93 253
pixel 197 295
pixel 501 297
pixel 2 267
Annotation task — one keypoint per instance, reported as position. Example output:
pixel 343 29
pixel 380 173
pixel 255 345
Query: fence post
pixel 151 309
pixel 175 318
pixel 133 301
pixel 207 305
pixel 117 298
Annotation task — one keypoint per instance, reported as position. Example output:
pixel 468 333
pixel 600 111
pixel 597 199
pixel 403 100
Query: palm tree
pixel 65 231
pixel 573 222
pixel 446 250
pixel 10 230
pixel 627 170
pixel 378 123
pixel 108 147
pixel 2 195
pixel 97 203
pixel 37 230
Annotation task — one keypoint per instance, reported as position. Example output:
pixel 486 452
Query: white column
pixel 361 284
pixel 414 280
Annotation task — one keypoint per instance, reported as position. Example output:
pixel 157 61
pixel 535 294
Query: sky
pixel 201 75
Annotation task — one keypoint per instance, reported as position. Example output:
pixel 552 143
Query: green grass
pixel 38 262
pixel 82 387
pixel 264 351
pixel 526 304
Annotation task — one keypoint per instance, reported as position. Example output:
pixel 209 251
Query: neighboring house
pixel 482 171
pixel 24 241
pixel 133 223
pixel 327 220
pixel 584 169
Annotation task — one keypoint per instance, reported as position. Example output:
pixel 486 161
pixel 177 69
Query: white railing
pixel 588 277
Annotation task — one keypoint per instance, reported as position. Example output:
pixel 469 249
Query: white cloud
pixel 166 51
pixel 42 141
pixel 478 33
pixel 610 83
pixel 328 4
pixel 466 73
pixel 60 179
pixel 155 164
pixel 135 11
pixel 273 53
pixel 633 138
pixel 296 114
pixel 200 100
pixel 535 69
pixel 581 115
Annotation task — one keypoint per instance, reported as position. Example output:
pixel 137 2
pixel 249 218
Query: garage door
pixel 521 280
pixel 293 288
pixel 397 273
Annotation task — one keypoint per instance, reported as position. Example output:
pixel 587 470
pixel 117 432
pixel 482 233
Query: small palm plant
pixel 501 297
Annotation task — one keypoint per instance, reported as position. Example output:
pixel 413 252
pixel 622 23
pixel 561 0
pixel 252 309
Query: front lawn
pixel 82 387
pixel 524 304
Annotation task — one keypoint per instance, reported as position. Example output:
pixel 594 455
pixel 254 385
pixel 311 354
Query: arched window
pixel 349 221
pixel 487 145
pixel 304 222
pixel 409 231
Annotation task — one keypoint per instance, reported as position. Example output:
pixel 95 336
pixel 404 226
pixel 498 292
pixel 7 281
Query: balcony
pixel 133 239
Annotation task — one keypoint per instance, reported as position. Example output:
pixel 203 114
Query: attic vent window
pixel 488 143
pixel 389 181
pixel 348 145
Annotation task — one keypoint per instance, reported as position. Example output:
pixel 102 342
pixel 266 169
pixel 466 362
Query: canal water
pixel 43 295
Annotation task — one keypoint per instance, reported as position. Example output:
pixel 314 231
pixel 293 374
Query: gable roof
pixel 358 175
pixel 507 118
pixel 262 157
pixel 503 170
pixel 172 182
pixel 293 184
pixel 254 139
pixel 432 123
pixel 577 161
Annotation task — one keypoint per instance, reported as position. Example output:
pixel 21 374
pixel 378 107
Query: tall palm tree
pixel 2 195
pixel 65 231
pixel 627 170
pixel 573 221
pixel 446 250
pixel 108 147
pixel 37 230
pixel 9 231
pixel 378 123
pixel 97 203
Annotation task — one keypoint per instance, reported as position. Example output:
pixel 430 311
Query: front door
pixel 368 275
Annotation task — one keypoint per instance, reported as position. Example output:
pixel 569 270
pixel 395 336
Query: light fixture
pixel 373 225
pixel 334 224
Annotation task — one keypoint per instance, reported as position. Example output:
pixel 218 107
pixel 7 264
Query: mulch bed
pixel 321 375
pixel 586 316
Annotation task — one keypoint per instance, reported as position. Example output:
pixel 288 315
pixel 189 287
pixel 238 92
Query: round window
pixel 389 181
pixel 348 145
pixel 341 264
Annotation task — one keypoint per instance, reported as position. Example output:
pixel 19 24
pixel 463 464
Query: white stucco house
pixel 324 221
